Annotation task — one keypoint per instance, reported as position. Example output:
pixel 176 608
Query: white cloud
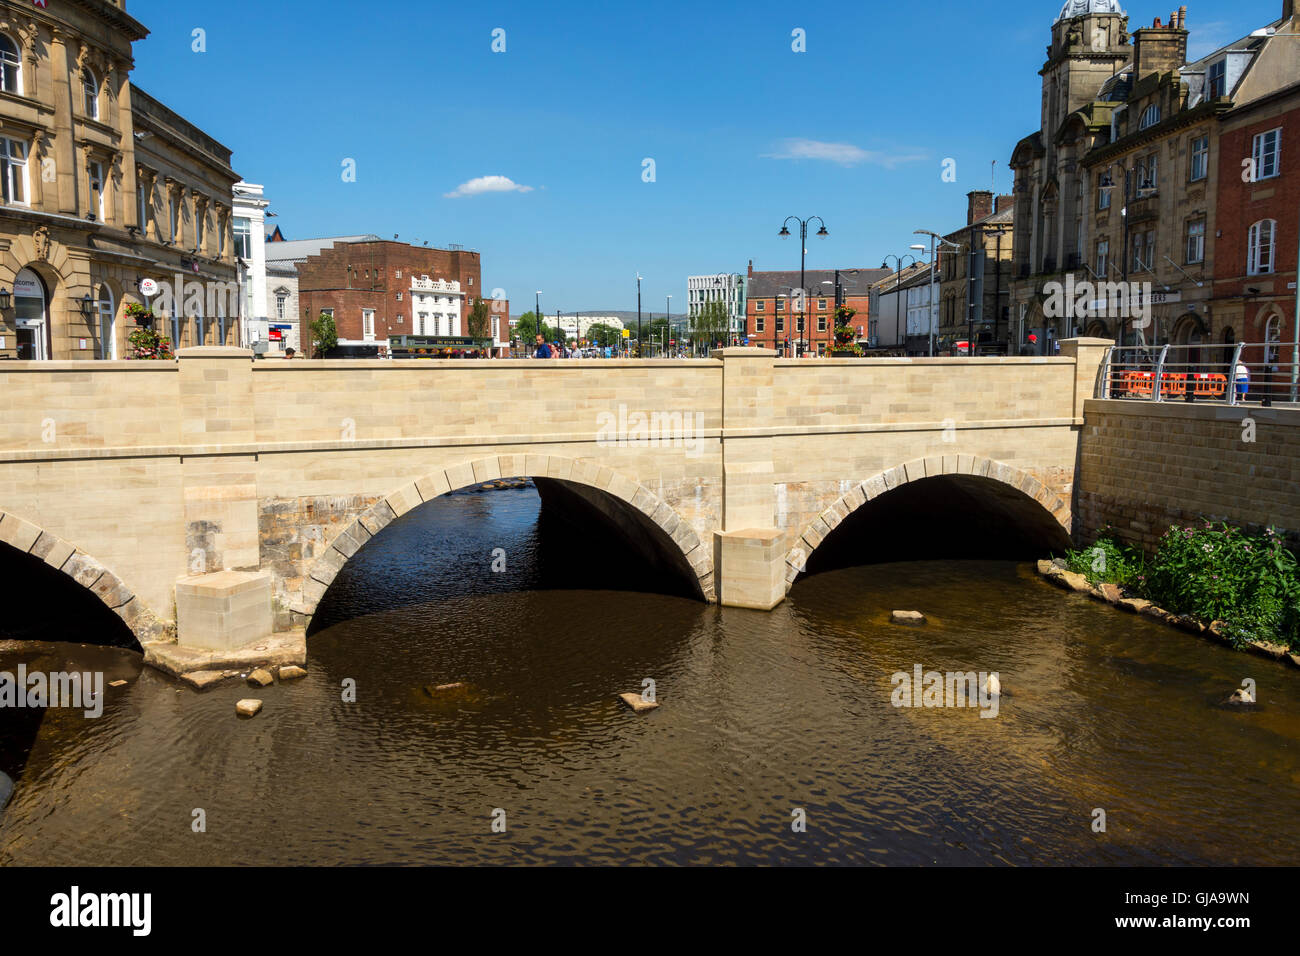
pixel 845 154
pixel 487 184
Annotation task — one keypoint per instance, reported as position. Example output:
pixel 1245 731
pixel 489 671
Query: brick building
pixel 773 314
pixel 1136 176
pixel 1258 224
pixel 375 289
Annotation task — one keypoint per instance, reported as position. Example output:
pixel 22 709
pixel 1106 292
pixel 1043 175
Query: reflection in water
pixel 761 714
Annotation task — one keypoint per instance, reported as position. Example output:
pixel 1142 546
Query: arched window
pixel 11 66
pixel 1272 336
pixel 1150 116
pixel 1260 246
pixel 90 89
pixel 107 327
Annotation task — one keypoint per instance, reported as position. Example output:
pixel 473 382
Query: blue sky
pixel 743 131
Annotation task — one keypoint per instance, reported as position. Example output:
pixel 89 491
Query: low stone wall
pixel 1144 466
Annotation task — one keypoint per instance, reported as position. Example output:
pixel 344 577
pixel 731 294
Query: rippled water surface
pixel 761 714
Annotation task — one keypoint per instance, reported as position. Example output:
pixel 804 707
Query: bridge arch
pixel 1047 505
pixel 651 511
pixel 86 572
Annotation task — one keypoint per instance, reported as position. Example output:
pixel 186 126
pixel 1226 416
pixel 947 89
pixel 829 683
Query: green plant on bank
pixel 1107 560
pixel 324 335
pixel 1208 572
pixel 1216 572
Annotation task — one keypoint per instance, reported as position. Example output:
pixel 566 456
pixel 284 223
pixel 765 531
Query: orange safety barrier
pixel 1139 383
pixel 1173 383
pixel 1209 384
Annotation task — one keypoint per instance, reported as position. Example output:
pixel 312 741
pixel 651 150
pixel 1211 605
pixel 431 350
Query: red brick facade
pixel 772 323
pixel 1255 305
pixel 352 277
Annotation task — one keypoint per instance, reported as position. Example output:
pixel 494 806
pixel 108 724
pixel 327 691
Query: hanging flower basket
pixel 845 345
pixel 141 315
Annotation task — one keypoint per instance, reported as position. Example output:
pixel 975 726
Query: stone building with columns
pixel 102 187
pixel 1130 188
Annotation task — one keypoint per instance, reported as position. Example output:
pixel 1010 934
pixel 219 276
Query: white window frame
pixel 105 309
pixel 95 175
pixel 1103 194
pixel 243 250
pixel 1103 257
pixel 1201 155
pixel 13 172
pixel 368 325
pixel 1150 116
pixel 11 66
pixel 1261 248
pixel 90 93
pixel 1197 235
pixel 1268 165
pixel 143 205
pixel 1219 67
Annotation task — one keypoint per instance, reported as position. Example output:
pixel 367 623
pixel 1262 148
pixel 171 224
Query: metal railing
pixel 1236 373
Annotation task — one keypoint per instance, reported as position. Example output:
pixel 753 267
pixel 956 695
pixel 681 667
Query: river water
pixel 764 718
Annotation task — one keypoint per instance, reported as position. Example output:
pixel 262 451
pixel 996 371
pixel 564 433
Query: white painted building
pixel 725 287
pixel 568 322
pixel 436 306
pixel 248 221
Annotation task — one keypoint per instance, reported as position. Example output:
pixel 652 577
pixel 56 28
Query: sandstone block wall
pixel 1146 465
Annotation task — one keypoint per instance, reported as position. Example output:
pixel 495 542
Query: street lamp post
pixel 537 314
pixel 638 315
pixel 935 239
pixel 668 304
pixel 803 254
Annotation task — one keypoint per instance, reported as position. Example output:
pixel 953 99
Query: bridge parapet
pixel 216 461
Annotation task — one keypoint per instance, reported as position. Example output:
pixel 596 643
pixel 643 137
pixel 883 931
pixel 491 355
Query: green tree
pixel 324 335
pixel 526 330
pixel 477 324
pixel 709 325
pixel 603 335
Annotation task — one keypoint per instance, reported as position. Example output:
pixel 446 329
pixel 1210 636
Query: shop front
pixel 31 316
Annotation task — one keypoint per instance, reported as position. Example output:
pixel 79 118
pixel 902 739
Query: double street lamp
pixel 898 281
pixel 803 254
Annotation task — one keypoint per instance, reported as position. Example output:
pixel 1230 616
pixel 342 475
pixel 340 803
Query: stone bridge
pixel 731 470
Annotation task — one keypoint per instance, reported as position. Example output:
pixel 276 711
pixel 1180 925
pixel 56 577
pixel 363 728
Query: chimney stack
pixel 1005 202
pixel 979 203
pixel 751 269
pixel 1160 49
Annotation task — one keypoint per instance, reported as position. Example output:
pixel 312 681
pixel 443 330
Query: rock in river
pixel 637 704
pixel 261 678
pixel 907 617
pixel 248 707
